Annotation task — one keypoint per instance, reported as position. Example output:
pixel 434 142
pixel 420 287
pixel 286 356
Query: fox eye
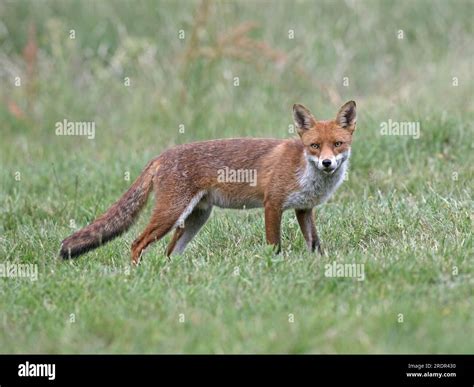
pixel 315 146
pixel 338 144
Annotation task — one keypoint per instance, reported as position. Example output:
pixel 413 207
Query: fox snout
pixel 327 164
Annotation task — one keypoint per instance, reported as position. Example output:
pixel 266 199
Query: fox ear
pixel 303 118
pixel 346 117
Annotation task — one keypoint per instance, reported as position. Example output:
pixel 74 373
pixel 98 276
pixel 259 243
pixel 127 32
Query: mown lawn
pixel 405 211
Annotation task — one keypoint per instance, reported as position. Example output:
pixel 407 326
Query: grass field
pixel 152 75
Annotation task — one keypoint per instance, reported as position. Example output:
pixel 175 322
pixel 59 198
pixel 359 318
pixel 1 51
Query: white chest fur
pixel 315 186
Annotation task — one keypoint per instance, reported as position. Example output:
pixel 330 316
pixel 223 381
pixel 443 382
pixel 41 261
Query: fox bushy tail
pixel 116 220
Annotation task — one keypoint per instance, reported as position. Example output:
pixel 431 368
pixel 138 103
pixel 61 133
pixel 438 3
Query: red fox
pixel 188 180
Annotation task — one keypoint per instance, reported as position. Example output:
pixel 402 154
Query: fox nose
pixel 326 163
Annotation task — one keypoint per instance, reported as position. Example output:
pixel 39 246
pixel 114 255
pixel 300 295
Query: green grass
pixel 405 211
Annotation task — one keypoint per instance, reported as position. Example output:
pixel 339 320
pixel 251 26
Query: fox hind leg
pixel 165 217
pixel 160 224
pixel 184 235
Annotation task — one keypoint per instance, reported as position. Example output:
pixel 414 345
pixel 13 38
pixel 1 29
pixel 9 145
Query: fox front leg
pixel 273 225
pixel 306 222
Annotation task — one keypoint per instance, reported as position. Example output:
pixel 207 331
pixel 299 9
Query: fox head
pixel 327 143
